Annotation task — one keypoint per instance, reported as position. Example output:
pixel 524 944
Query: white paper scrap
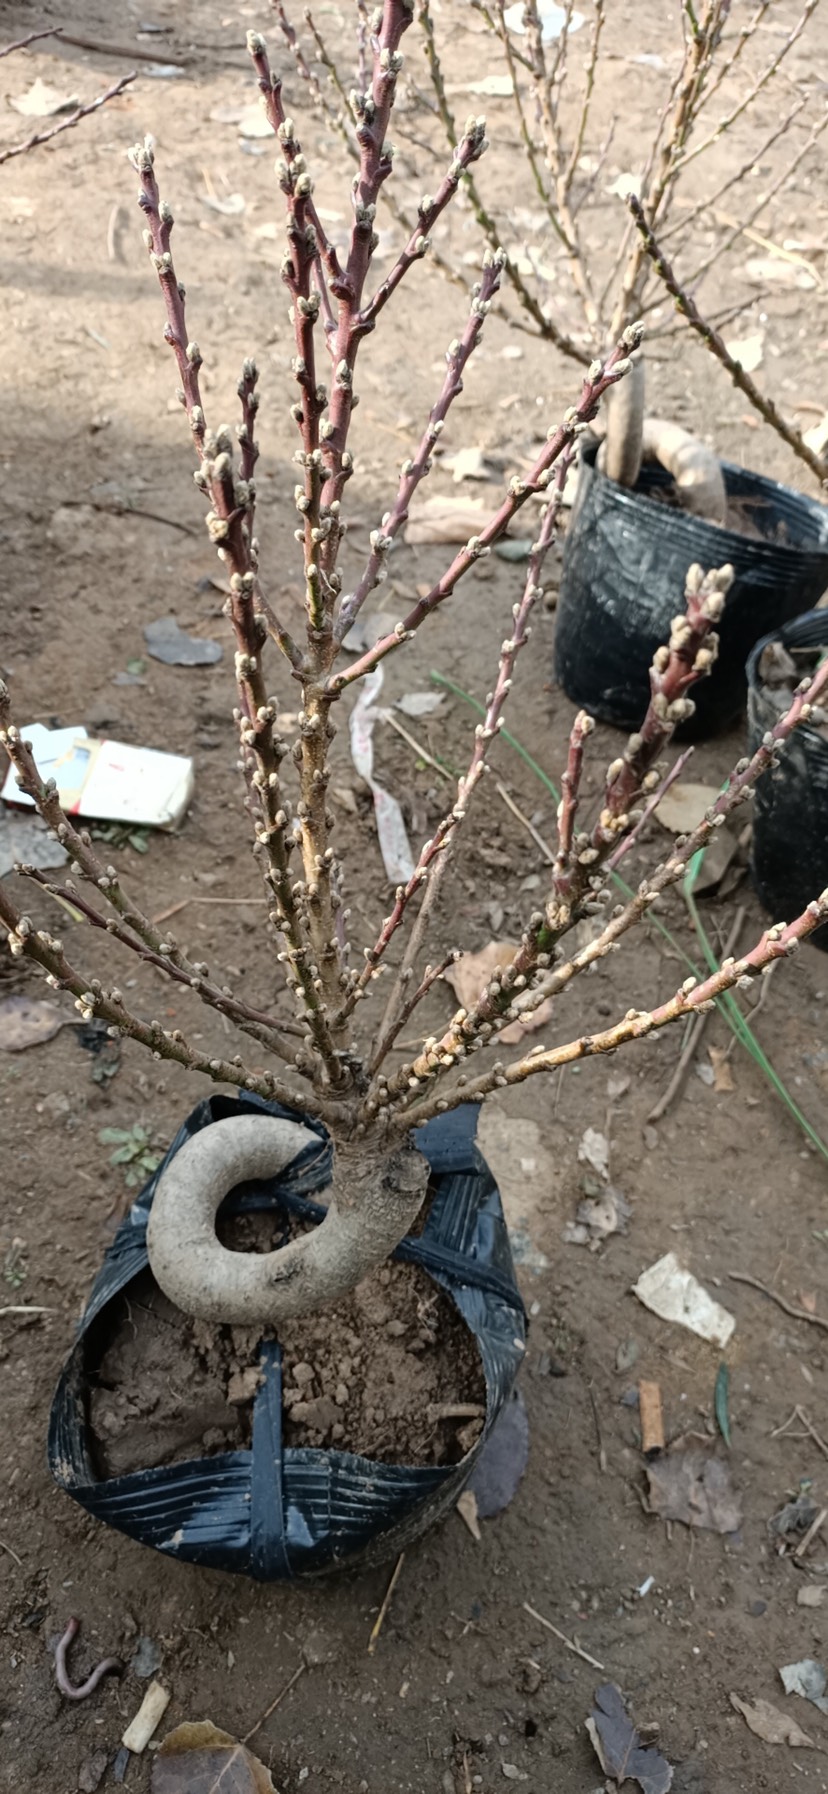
pixel 393 840
pixel 674 1294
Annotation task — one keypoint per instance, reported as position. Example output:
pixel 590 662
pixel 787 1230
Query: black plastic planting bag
pixel 277 1512
pixel 625 561
pixel 789 848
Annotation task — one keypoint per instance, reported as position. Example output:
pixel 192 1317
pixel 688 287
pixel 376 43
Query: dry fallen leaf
pixel 42 101
pixel 230 206
pixel 684 806
pixel 593 1149
pixel 471 973
pixel 446 520
pixel 812 1595
pixel 419 703
pixel 722 1074
pixel 691 1482
pixel 25 1022
pixel 199 1759
pixel 618 1747
pixel 768 270
pixel 747 350
pixel 468 464
pixel 807 1678
pixel 597 1218
pixel 771 1725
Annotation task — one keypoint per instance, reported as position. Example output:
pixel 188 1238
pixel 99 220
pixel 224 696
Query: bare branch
pixel 818 464
pixel 457 358
pixel 600 376
pixel 64 124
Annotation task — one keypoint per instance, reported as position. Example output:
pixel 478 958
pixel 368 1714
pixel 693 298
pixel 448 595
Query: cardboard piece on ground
pixel 107 781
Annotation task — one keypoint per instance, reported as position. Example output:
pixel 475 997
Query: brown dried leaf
pixel 445 520
pixel 691 1482
pixel 24 1022
pixel 683 807
pixel 470 974
pixel 199 1759
pixel 618 1747
pixel 722 1074
pixel 772 1726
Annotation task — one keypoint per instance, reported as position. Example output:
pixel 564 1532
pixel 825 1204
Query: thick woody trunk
pixel 373 1198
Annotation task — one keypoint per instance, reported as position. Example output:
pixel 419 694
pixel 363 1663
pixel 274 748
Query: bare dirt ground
pixel 466 1691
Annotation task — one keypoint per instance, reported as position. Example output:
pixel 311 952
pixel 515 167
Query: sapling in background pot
pixel 651 497
pixel 329 1229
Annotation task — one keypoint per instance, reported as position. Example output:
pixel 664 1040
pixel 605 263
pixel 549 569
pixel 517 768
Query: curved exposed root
pixel 372 1201
pixel 696 470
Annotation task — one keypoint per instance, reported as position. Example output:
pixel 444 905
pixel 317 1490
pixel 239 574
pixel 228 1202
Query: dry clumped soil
pixel 465 1689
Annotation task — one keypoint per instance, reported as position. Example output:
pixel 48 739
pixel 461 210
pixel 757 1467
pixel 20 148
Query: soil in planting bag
pixel 625 560
pixel 275 1512
pixel 789 849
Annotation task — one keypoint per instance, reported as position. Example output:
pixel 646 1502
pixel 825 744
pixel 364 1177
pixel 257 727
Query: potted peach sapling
pixel 322 1254
pixel 650 497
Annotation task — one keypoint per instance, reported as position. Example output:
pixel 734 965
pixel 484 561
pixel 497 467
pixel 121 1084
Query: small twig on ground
pixel 602 1456
pixel 111 1666
pixel 569 1642
pixel 275 1703
pixel 23 42
pixel 811 1534
pixel 781 1432
pixel 26 1308
pixel 380 1619
pixel 4 1546
pixel 798 1314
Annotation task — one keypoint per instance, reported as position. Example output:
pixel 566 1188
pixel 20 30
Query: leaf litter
pixel 691 1482
pixel 26 1022
pixel 198 1758
pixel 618 1747
pixel 769 1724
pixel 808 1679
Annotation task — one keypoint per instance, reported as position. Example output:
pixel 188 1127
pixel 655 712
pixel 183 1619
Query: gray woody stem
pixel 372 1202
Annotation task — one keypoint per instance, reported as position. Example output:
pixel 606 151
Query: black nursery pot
pixel 625 561
pixel 789 850
pixel 275 1512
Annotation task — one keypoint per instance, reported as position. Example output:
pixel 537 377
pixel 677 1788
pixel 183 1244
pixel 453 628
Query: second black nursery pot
pixel 625 561
pixel 789 849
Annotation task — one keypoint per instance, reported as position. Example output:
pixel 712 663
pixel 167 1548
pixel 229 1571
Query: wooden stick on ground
pixel 275 1703
pixel 569 1642
pixel 799 1314
pixel 815 1527
pixel 380 1619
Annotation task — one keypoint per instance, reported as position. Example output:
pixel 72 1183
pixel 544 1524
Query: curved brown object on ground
pixel 695 468
pixel 371 1205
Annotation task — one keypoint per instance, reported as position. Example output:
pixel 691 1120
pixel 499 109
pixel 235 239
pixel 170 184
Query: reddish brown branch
pixel 600 377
